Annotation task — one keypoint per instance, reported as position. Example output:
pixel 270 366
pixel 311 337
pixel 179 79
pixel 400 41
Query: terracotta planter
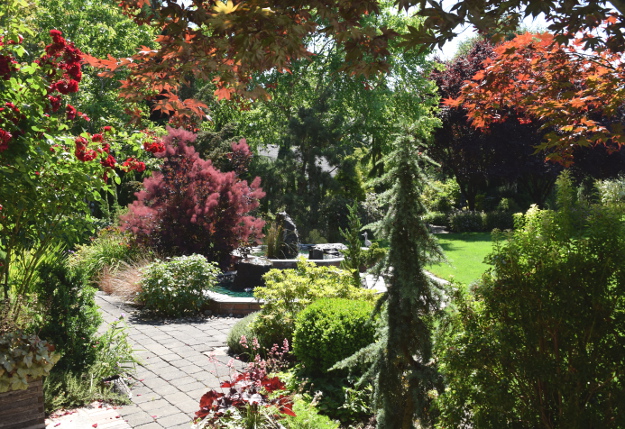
pixel 23 409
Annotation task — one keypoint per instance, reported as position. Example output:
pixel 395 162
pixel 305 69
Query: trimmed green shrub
pixel 287 292
pixel 436 218
pixel 330 330
pixel 538 344
pixel 498 220
pixel 177 286
pixel 467 221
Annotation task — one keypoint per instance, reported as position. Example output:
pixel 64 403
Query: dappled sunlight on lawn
pixel 465 254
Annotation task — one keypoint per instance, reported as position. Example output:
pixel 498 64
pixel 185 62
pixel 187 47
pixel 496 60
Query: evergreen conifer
pixel 405 371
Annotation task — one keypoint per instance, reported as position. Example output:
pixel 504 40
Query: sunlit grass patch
pixel 465 253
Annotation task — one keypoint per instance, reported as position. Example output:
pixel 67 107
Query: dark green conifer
pixel 405 372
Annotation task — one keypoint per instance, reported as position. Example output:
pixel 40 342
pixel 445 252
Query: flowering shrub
pixel 177 286
pixel 253 399
pixel 191 207
pixel 48 178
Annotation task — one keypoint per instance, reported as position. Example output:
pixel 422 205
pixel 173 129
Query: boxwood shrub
pixel 499 219
pixel 467 221
pixel 330 330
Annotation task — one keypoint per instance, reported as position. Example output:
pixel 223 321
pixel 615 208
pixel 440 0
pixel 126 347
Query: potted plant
pixel 24 361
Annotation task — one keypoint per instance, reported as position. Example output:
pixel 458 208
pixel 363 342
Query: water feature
pixel 252 264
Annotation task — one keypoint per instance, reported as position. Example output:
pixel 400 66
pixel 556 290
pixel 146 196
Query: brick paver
pixel 174 372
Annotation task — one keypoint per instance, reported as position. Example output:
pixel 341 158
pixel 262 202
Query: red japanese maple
pixel 576 95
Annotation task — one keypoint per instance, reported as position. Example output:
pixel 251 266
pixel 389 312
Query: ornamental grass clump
pixel 177 286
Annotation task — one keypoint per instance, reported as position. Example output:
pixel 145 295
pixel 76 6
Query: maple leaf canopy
pixel 500 17
pixel 226 42
pixel 576 96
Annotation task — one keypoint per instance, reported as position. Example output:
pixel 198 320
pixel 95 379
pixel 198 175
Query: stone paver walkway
pixel 175 370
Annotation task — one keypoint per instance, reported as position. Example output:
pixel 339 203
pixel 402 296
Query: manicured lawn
pixel 465 253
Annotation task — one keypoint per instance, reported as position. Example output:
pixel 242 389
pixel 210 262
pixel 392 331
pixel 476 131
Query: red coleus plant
pixel 246 390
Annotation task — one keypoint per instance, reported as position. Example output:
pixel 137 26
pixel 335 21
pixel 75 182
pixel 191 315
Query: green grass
pixel 465 254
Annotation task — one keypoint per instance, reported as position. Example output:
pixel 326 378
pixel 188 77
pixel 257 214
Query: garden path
pixel 175 370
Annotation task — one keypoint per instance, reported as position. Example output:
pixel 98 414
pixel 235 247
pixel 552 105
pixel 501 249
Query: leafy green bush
pixel 441 196
pixel 330 330
pixel 436 218
pixel 287 292
pixel 177 286
pixel 337 398
pixel 612 190
pixel 357 258
pixel 307 417
pixel 467 221
pixel 70 388
pixel 539 343
pixel 315 237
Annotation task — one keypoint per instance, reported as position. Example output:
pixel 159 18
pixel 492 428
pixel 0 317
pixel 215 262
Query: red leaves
pixel 235 40
pixel 452 102
pixel 535 78
pixel 248 390
pixel 273 384
pixel 208 208
pixel 223 93
pixel 208 403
